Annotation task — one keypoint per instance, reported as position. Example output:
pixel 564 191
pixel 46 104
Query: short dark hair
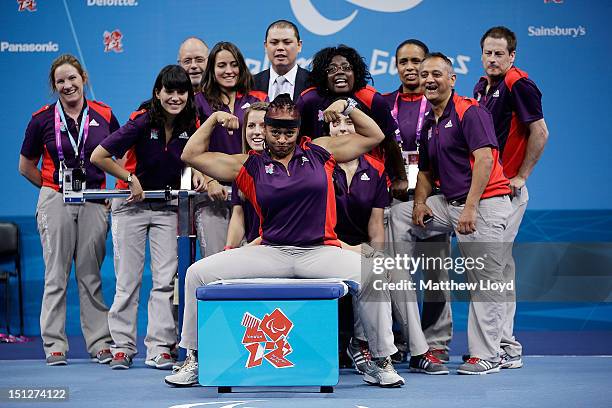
pixel 173 78
pixel 283 24
pixel 210 87
pixel 442 57
pixel 413 41
pixel 322 59
pixel 500 32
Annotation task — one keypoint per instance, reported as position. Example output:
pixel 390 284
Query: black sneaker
pixel 428 364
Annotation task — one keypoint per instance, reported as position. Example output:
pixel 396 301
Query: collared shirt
pixel 289 86
pixel 251 219
pixel 447 146
pixel 296 205
pixel 157 164
pixel 39 141
pixel 220 139
pixel 514 102
pixel 354 203
pixel 408 106
pixel 311 105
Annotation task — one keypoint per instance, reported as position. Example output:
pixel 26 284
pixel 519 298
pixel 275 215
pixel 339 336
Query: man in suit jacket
pixel 282 46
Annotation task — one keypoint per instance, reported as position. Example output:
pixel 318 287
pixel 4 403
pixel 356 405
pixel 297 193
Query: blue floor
pixel 551 381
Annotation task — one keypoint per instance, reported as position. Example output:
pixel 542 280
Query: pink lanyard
pixel 83 133
pixel 419 126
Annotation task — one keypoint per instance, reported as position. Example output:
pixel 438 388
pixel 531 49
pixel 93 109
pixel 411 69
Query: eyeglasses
pixel 332 69
pixel 188 61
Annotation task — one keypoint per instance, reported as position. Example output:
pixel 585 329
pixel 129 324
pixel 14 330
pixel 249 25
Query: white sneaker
pixel 381 372
pixel 186 376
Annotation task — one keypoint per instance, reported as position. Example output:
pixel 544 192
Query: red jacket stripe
pixel 104 110
pixel 47 171
pixel 513 75
pixel 130 165
pixel 247 185
pixel 330 237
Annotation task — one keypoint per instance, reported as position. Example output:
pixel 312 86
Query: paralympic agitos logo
pixel 317 23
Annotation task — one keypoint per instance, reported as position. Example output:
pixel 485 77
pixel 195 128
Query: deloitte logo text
pixel 6 46
pixel 316 23
pixel 112 3
pixel 556 31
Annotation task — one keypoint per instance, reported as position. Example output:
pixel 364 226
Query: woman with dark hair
pixel 290 185
pixel 341 72
pixel 153 140
pixel 64 134
pixel 226 87
pixel 244 223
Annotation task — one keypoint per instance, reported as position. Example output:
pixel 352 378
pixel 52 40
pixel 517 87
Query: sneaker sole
pixel 420 370
pixel 120 367
pixel 165 366
pixel 105 361
pixel 57 363
pixel 493 370
pixel 178 385
pixel 512 365
pixel 394 385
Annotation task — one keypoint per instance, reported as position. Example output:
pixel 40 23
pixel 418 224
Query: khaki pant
pixel 132 224
pixel 487 311
pixel 264 261
pixel 70 232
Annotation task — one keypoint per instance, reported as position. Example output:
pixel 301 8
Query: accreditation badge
pixel 411 162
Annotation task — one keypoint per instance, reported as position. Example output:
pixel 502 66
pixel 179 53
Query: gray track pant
pixel 132 223
pixel 211 223
pixel 519 205
pixel 264 261
pixel 487 312
pixel 72 232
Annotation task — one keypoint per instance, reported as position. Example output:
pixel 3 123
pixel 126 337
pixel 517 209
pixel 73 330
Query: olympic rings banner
pixel 563 45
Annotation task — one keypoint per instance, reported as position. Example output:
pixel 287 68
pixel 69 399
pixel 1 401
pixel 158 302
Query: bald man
pixel 193 55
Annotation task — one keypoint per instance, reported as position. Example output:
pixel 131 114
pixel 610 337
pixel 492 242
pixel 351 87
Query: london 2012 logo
pixel 29 5
pixel 317 23
pixel 112 41
pixel 267 339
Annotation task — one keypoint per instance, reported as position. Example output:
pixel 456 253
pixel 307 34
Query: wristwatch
pixel 350 105
pixel 129 178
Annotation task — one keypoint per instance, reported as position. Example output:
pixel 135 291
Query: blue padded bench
pixel 265 335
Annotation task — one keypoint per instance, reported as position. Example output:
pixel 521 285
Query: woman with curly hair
pixel 341 72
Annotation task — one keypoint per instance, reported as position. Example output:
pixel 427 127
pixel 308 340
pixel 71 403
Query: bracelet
pixel 227 247
pixel 419 203
pixel 210 181
pixel 351 104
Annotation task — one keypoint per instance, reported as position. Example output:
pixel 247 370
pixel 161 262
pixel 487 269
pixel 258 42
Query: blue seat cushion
pixel 271 291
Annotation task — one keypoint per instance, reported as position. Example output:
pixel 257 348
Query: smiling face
pixel 340 76
pixel 254 130
pixel 193 55
pixel 172 101
pixel 68 83
pixel 282 47
pixel 437 79
pixel 496 59
pixel 227 70
pixel 343 126
pixel 409 58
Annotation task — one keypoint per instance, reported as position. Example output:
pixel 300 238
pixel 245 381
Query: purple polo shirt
pixel 514 103
pixel 251 219
pixel 39 141
pixel 296 205
pixel 311 105
pixel 447 146
pixel 354 203
pixel 408 107
pixel 155 163
pixel 220 139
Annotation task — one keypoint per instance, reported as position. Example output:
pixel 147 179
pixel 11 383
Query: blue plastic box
pixel 268 335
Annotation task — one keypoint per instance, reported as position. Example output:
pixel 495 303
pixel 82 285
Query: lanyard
pixel 83 132
pixel 419 125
